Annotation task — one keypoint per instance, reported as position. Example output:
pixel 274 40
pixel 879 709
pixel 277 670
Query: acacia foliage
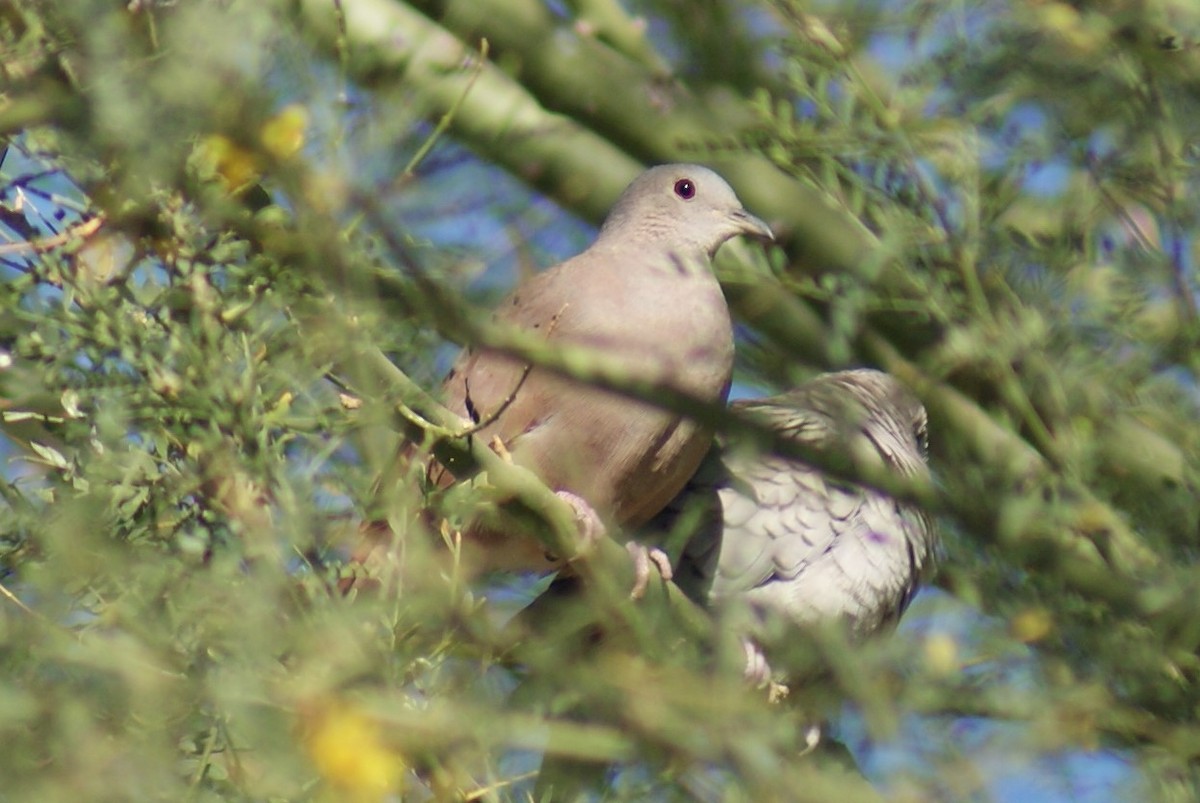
pixel 993 200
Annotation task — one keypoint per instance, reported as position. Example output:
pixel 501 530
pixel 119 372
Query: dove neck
pixel 649 234
pixel 677 260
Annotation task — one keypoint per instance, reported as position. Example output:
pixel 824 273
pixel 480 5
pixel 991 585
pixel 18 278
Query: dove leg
pixel 758 674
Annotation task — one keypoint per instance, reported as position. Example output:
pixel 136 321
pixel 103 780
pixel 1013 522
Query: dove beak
pixel 751 226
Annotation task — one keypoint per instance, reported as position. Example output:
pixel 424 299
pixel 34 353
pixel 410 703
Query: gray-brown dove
pixel 779 536
pixel 644 292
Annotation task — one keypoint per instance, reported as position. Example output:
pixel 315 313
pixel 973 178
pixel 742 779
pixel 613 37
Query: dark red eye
pixel 685 189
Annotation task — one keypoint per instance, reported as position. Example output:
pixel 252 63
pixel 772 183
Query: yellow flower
pixel 283 135
pixel 238 166
pixel 1032 624
pixel 348 750
pixel 941 654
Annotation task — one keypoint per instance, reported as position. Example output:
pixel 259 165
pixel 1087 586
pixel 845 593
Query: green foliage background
pixel 1004 217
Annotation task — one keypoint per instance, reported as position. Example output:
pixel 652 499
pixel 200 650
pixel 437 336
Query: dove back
pixel 781 536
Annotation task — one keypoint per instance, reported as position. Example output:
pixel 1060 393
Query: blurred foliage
pixel 209 206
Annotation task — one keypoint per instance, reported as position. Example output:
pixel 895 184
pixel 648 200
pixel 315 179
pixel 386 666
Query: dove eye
pixel 921 433
pixel 685 189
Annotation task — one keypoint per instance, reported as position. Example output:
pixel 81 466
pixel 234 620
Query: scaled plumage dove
pixel 779 536
pixel 643 292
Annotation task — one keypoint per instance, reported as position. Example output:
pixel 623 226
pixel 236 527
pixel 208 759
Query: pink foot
pixel 757 672
pixel 590 528
pixel 642 560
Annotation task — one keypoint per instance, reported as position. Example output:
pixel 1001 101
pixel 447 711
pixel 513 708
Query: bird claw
pixel 588 524
pixel 812 738
pixel 642 560
pixel 591 529
pixel 757 671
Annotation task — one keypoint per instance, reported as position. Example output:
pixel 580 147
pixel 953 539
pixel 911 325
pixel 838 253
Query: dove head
pixel 891 409
pixel 685 207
